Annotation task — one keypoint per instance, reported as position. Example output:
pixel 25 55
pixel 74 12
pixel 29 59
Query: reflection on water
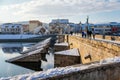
pixel 10 50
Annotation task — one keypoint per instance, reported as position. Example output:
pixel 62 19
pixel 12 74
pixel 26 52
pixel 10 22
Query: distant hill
pixel 22 22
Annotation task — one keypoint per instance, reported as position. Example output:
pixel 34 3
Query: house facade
pixel 11 28
pixel 107 28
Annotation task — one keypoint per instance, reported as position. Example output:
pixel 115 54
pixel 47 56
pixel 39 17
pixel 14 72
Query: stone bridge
pixel 92 50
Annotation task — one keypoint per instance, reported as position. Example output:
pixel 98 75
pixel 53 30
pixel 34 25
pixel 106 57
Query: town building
pixel 107 28
pixel 76 28
pixel 115 27
pixel 33 24
pixel 58 26
pixel 102 28
pixel 11 28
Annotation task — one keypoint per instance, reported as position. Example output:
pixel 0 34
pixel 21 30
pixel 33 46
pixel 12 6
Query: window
pixel 17 26
pixel 18 30
pixel 7 29
pixel 4 30
pixel 6 26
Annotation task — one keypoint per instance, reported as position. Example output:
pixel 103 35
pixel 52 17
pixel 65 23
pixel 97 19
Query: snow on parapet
pixel 110 60
pixel 72 52
pixel 60 71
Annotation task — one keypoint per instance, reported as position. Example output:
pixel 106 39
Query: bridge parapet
pixel 115 38
pixel 102 72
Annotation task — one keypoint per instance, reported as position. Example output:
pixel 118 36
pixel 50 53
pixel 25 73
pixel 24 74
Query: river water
pixel 10 50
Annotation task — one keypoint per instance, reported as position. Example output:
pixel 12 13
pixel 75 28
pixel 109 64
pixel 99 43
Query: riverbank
pixel 23 37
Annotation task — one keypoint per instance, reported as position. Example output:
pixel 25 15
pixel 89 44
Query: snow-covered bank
pixel 17 36
pixel 60 71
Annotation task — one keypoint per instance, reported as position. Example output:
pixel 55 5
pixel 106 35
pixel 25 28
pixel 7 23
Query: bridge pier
pixel 34 54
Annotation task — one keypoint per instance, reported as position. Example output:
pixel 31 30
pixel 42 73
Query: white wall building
pixel 107 28
pixel 102 28
pixel 10 28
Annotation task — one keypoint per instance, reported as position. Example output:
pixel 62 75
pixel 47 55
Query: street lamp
pixel 103 32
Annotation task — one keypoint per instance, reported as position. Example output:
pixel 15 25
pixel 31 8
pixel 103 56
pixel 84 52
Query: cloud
pixel 51 8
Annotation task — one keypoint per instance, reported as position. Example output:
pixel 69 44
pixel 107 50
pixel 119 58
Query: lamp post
pixel 87 23
pixel 103 32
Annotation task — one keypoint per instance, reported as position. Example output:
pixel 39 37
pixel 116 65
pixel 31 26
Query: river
pixel 10 50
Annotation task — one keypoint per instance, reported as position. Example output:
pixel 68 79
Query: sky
pixel 99 11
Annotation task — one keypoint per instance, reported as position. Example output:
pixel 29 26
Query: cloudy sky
pixel 46 10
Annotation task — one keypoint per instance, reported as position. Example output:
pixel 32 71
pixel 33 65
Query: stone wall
pixel 103 72
pixel 91 50
pixel 61 48
pixel 65 60
pixel 60 38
